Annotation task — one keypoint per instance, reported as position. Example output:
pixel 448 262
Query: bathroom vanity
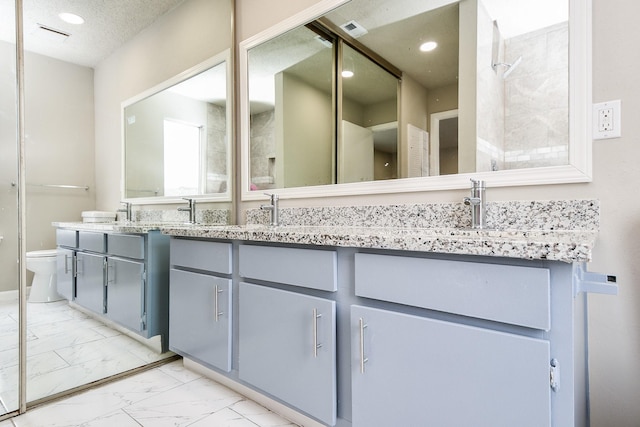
pixel 388 326
pixel 121 276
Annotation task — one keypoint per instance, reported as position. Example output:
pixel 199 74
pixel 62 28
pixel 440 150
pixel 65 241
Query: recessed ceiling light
pixel 71 18
pixel 428 46
pixel 347 74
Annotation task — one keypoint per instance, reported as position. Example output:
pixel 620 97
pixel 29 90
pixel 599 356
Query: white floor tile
pixel 223 418
pixel 183 405
pixel 176 370
pixel 118 418
pixel 67 348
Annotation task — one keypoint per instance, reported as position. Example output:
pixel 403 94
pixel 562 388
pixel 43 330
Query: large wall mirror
pixel 364 97
pixel 176 136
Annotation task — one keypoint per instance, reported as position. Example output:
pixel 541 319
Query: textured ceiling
pixel 108 24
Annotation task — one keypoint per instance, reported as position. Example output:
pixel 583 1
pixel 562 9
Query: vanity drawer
pixel 91 241
pixel 503 293
pixel 67 238
pixel 309 268
pixel 126 245
pixel 201 255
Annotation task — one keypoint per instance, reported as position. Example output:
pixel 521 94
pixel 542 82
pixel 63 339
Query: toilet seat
pixel 43 253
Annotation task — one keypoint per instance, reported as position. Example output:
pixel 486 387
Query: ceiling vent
pixel 354 29
pixel 48 33
pixel 325 42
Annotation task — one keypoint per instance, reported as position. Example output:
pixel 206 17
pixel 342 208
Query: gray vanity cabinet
pixel 123 277
pixel 125 302
pixel 125 281
pixel 200 305
pixel 90 266
pixel 90 291
pixel 285 329
pixel 476 346
pixel 66 272
pixel 359 337
pixel 67 244
pixel 409 370
pixel 288 347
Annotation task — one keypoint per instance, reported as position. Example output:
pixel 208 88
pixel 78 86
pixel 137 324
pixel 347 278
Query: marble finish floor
pixel 168 395
pixel 65 348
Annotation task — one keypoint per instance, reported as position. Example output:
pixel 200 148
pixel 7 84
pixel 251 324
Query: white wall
pixel 187 36
pixel 59 149
pixel 614 322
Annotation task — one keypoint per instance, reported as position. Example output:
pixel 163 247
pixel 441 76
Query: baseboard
pixel 9 295
pixel 272 405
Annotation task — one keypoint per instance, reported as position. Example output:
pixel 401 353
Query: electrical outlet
pixel 606 120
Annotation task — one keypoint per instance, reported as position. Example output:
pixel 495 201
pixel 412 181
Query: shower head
pixel 511 67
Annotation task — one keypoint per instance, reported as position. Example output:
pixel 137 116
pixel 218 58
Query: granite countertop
pixel 556 245
pixel 563 230
pixel 564 245
pixel 116 227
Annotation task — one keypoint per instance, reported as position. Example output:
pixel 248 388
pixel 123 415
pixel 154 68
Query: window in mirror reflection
pixel 149 168
pixel 182 153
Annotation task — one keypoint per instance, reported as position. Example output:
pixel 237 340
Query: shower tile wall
pixel 216 149
pixel 537 93
pixel 263 149
pixel 490 101
pixel 524 117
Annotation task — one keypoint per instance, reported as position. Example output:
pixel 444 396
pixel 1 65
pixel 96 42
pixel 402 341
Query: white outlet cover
pixel 616 130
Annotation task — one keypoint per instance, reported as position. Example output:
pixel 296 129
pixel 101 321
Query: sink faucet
pixel 477 203
pixel 273 207
pixel 126 209
pixel 191 209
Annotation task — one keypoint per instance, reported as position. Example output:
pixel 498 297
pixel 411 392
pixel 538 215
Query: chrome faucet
pixel 477 203
pixel 273 207
pixel 191 209
pixel 126 209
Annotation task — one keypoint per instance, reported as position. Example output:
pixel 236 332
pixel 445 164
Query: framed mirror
pixel 508 85
pixel 176 137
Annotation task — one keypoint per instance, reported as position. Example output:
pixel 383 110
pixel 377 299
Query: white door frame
pixel 434 145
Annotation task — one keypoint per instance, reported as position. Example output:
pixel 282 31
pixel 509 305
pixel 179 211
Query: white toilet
pixel 44 287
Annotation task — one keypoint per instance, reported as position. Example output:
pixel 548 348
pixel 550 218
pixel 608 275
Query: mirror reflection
pixel 469 86
pixel 75 78
pixel 176 140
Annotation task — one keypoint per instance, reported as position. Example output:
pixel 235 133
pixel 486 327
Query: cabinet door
pixel 125 293
pixel 65 272
pixel 413 371
pixel 200 317
pixel 90 281
pixel 288 348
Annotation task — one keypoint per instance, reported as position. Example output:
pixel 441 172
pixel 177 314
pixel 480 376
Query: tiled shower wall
pixel 523 118
pixel 537 99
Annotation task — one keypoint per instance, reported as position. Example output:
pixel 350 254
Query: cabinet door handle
pixel 110 276
pixel 363 359
pixel 316 345
pixel 66 260
pixel 217 312
pixel 79 266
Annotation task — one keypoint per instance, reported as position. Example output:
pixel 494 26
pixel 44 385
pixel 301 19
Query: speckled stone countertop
pixel 567 246
pixel 548 230
pixel 114 227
